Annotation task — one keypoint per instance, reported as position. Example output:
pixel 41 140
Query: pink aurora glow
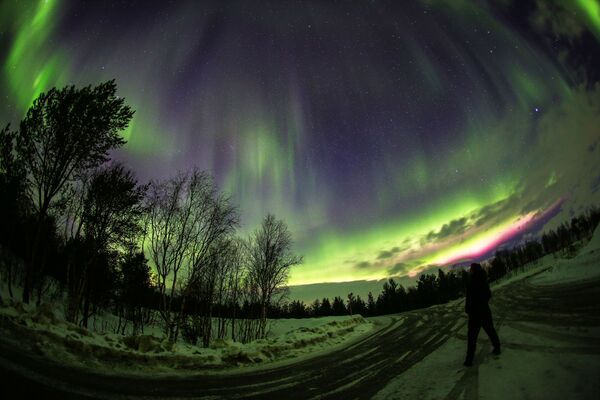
pixel 488 244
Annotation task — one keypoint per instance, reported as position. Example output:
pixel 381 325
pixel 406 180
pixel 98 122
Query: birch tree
pixel 270 259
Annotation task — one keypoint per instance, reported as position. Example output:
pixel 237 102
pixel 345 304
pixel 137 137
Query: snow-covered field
pixel 540 359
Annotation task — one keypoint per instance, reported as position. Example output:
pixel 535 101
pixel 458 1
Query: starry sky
pixel 393 136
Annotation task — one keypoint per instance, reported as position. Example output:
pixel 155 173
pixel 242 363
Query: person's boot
pixel 496 351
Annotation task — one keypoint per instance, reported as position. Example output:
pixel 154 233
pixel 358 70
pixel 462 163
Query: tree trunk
pixel 207 331
pixel 30 266
pixel 177 321
pixel 263 320
pixel 233 324
pixel 86 304
pixel 10 278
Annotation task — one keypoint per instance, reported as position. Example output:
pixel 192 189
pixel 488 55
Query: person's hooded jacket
pixel 478 294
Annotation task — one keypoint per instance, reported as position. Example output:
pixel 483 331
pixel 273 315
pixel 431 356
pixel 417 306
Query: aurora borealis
pixel 393 137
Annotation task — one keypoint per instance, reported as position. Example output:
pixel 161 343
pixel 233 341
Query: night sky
pixel 392 136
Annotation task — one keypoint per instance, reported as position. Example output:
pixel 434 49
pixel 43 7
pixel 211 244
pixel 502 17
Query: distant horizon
pixel 301 291
pixel 312 291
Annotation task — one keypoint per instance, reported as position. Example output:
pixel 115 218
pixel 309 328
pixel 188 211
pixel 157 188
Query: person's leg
pixel 472 333
pixel 488 327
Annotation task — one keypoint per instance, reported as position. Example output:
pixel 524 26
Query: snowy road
pixel 545 331
pixel 359 371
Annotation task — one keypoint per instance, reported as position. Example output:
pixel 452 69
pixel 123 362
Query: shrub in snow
pixel 221 343
pixel 45 315
pixel 143 343
pixel 78 329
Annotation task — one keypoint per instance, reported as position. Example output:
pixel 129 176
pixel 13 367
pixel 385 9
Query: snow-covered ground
pixel 53 337
pixel 548 372
pixel 540 359
pixel 60 340
pixel 550 348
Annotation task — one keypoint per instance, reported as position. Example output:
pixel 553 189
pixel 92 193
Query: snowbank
pixel 594 243
pixel 53 337
pixel 526 271
pixel 585 266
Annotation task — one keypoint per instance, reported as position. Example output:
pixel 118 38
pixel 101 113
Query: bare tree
pixel 135 291
pixel 110 220
pixel 204 291
pixel 250 326
pixel 270 259
pixel 235 276
pixel 112 216
pixel 66 131
pixel 187 218
pixel 208 261
pixel 168 238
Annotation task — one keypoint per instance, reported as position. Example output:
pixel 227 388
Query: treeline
pixel 565 238
pixel 71 213
pixel 433 289
pixel 430 289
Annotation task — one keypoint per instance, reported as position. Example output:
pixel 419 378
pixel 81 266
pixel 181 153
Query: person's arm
pixel 468 300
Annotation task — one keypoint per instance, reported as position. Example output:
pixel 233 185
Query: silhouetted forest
pixel 79 227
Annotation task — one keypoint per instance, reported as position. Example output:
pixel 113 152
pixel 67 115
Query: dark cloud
pixel 399 268
pixel 363 264
pixel 403 267
pixel 383 254
pixel 495 212
pixel 454 227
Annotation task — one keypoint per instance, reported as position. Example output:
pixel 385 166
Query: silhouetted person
pixel 480 315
